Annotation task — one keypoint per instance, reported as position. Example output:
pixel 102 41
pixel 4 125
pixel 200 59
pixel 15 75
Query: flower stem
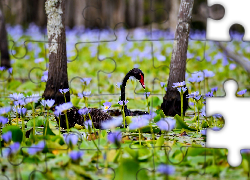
pixel 23 128
pixel 140 136
pixel 67 121
pixel 147 105
pixel 46 124
pixel 123 116
pixel 34 122
pixel 182 116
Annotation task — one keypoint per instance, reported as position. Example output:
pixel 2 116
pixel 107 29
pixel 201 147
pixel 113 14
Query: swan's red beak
pixel 142 81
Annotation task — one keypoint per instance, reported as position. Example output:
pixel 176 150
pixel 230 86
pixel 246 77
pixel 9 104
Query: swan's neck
pixel 124 82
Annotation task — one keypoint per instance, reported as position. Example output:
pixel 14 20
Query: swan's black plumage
pixel 99 115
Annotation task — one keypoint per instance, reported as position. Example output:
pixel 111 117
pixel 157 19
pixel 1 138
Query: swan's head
pixel 138 74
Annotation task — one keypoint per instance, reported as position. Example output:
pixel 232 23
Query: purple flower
pixel 86 80
pixel 138 122
pixel 193 95
pixel 106 105
pixel 216 128
pixel 217 116
pixel 48 102
pixel 36 148
pixel 13 148
pixel 16 96
pixel 84 94
pixel 203 132
pixel 166 169
pixel 115 137
pixel 203 111
pixel 149 116
pixel 209 94
pixel 63 107
pixel 83 111
pixel 242 92
pixel 118 84
pixel 70 139
pixel 208 73
pixel 196 77
pixel 88 124
pixel 166 124
pixel 76 155
pixel 123 102
pixel 166 88
pixel 32 98
pixel 191 103
pixel 245 151
pixel 112 123
pixel 57 113
pixel 44 78
pixel 10 70
pixel 2 68
pixel 147 94
pixel 7 136
pixel 21 111
pixel 39 60
pixel 179 84
pixel 232 66
pixel 162 84
pixel 214 89
pixel 64 91
pixel 182 89
pixel 5 110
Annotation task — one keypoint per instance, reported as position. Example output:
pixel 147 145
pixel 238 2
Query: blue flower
pixel 149 116
pixel 147 94
pixel 44 78
pixel 5 110
pixel 232 66
pixel 84 94
pixel 208 73
pixel 112 123
pixel 39 60
pixel 106 105
pixel 64 91
pixel 13 148
pixel 203 111
pixel 76 155
pixel 162 84
pixel 214 89
pixel 203 132
pixel 63 107
pixel 83 111
pixel 57 113
pixel 16 96
pixel 70 139
pixel 216 128
pixel 179 84
pixel 48 102
pixel 123 102
pixel 166 88
pixel 88 124
pixel 182 89
pixel 21 111
pixel 32 98
pixel 166 169
pixel 138 122
pixel 115 137
pixel 7 136
pixel 209 94
pixel 194 95
pixel 242 92
pixel 86 80
pixel 118 84
pixel 217 116
pixel 166 124
pixel 245 151
pixel 36 148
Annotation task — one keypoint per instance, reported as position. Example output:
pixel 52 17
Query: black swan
pixel 99 115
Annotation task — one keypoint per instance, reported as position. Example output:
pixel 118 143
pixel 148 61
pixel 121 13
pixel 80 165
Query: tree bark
pixel 171 101
pixel 57 74
pixel 5 57
pixel 140 13
pixel 173 19
pixel 131 13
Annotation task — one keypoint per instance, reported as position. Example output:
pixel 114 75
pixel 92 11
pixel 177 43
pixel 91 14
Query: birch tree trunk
pixel 57 75
pixel 171 101
pixel 5 57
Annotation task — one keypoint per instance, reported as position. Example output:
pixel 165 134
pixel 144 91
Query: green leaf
pixel 75 101
pixel 155 101
pixel 159 142
pixel 13 85
pixel 181 124
pixel 17 134
pixel 51 130
pixel 128 119
pixel 39 121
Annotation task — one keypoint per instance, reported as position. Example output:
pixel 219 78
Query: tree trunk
pixel 171 101
pixel 131 13
pixel 173 19
pixel 140 13
pixel 5 57
pixel 57 75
